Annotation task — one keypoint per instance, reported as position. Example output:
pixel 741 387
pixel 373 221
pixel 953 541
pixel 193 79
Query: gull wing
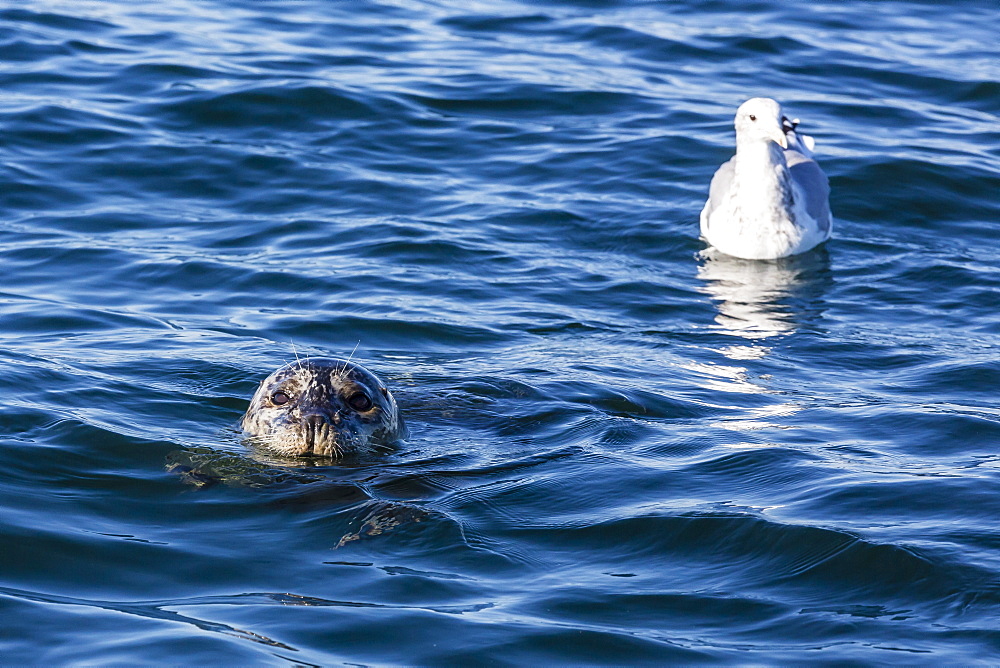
pixel 812 182
pixel 721 182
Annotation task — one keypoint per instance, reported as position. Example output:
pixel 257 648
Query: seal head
pixel 322 407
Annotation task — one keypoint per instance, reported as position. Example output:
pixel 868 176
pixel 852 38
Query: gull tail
pixel 804 144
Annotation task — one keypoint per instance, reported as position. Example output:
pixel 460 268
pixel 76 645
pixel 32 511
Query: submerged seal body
pixel 322 407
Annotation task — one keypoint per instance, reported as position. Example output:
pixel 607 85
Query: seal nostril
pixel 309 435
pixel 318 434
pixel 312 431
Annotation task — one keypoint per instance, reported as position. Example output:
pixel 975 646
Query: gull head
pixel 759 119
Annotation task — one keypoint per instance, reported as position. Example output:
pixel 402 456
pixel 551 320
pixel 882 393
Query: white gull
pixel 771 199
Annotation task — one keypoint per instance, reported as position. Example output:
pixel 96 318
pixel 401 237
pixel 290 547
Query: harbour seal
pixel 322 407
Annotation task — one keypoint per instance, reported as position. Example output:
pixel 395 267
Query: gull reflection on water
pixel 759 302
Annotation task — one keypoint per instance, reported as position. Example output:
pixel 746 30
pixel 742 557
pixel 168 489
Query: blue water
pixel 623 449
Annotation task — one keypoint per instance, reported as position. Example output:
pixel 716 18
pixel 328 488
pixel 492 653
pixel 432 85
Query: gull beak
pixel 778 136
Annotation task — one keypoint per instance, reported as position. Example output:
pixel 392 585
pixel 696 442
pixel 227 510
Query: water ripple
pixel 625 448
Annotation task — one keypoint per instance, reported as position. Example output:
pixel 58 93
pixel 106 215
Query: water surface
pixel 623 449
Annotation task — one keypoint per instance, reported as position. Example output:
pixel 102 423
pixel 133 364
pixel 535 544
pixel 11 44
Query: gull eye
pixel 359 401
pixel 752 117
pixel 279 398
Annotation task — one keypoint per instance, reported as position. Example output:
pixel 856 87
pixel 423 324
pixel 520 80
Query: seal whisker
pixel 350 357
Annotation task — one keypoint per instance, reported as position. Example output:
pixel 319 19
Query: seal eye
pixel 359 401
pixel 279 398
pixel 752 117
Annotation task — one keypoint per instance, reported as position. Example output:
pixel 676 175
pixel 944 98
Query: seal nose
pixel 321 418
pixel 316 431
pixel 312 428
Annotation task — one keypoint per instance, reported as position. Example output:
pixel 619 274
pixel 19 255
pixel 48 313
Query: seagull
pixel 771 199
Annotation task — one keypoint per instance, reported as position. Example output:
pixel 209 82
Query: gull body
pixel 771 199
